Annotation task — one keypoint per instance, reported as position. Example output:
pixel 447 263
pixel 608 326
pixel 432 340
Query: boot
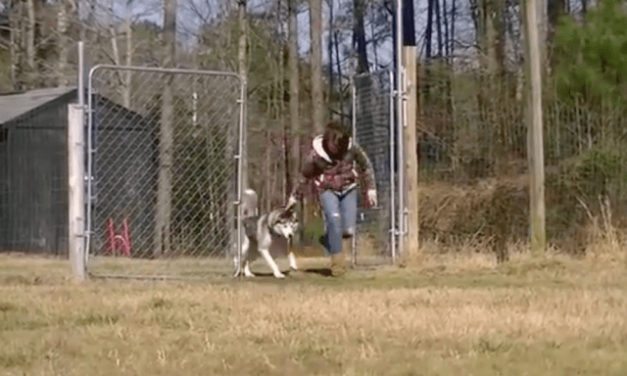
pixel 338 267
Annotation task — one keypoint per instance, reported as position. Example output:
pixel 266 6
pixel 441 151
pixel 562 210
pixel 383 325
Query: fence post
pixel 411 158
pixel 76 191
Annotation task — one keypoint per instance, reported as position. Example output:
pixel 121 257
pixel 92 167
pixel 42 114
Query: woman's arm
pixel 366 166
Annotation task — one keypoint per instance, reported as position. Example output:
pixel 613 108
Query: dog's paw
pixel 279 275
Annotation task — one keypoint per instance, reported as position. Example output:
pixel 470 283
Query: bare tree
pixel 241 57
pixel 438 24
pixel 29 40
pixel 409 30
pixel 14 43
pixel 429 30
pixel 447 37
pixel 294 91
pixel 359 36
pixel 315 11
pixel 63 20
pixel 555 9
pixel 452 40
pixel 128 26
pixel 330 44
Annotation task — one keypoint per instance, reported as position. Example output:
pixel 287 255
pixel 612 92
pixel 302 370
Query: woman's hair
pixel 335 140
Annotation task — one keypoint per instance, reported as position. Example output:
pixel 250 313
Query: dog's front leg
pixel 292 259
pixel 247 272
pixel 275 269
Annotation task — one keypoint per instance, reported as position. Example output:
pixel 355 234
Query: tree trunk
pixel 359 36
pixel 280 95
pixel 409 31
pixel 113 38
pixel 241 57
pixel 429 31
pixel 438 24
pixel 129 54
pixel 62 42
pixel 330 47
pixel 30 42
pixel 555 9
pixel 426 86
pixel 453 14
pixel 14 46
pixel 490 35
pixel 447 40
pixel 584 8
pixel 294 92
pixel 316 64
pixel 166 142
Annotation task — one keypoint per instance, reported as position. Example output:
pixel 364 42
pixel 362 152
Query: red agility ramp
pixel 118 243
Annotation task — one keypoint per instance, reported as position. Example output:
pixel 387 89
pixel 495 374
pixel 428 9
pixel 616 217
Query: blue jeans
pixel 340 216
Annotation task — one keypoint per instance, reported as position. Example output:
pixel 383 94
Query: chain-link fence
pixel 474 170
pixel 472 160
pixel 163 171
pixel 373 129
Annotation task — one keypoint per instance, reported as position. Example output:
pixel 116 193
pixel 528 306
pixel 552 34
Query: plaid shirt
pixel 338 175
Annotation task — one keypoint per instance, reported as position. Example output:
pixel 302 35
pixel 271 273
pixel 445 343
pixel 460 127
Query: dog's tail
pixel 249 203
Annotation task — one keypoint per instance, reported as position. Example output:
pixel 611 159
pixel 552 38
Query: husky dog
pixel 265 233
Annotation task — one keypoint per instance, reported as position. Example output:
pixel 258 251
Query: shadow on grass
pixel 324 272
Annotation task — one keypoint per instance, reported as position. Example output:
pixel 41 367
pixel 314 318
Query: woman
pixel 331 165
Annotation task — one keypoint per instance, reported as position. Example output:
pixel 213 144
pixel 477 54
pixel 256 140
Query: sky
pixel 189 22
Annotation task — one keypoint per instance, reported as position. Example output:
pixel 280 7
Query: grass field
pixel 441 315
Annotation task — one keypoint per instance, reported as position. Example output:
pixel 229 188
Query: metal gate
pixel 373 128
pixel 163 172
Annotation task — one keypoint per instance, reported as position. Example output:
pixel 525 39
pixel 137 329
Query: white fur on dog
pixel 271 237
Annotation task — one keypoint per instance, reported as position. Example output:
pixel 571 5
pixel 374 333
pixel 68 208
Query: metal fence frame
pixel 396 162
pixel 91 151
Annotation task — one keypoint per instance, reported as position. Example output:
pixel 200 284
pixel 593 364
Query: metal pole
pixel 81 103
pixel 240 176
pixel 354 136
pixel 81 73
pixel 392 167
pixel 90 151
pixel 399 124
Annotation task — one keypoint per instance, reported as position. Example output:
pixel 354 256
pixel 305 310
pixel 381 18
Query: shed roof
pixel 15 105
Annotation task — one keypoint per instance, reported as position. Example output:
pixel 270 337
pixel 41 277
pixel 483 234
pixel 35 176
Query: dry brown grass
pixel 444 314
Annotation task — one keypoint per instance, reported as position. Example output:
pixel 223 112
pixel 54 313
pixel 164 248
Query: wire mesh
pixel 373 131
pixel 474 165
pixel 163 171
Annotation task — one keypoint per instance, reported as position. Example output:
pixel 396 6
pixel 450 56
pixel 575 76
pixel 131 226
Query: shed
pixel 33 168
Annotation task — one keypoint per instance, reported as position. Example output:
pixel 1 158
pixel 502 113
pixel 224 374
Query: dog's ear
pixel 287 212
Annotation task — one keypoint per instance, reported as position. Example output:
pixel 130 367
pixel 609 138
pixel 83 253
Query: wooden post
pixel 76 191
pixel 411 156
pixel 535 147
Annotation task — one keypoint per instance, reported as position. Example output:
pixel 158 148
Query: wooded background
pixel 298 58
